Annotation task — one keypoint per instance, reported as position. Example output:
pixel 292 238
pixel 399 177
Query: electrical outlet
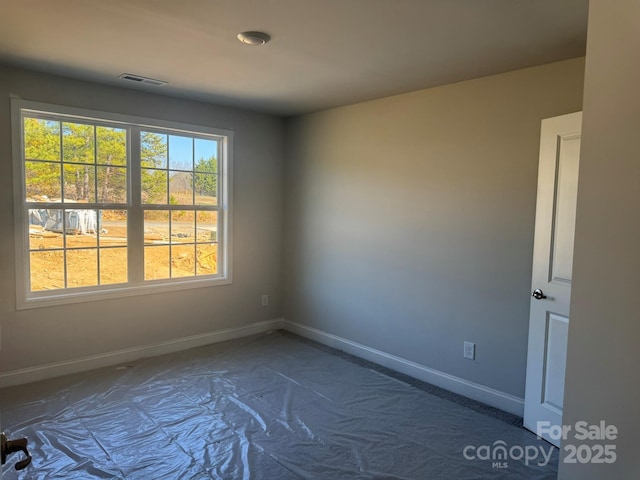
pixel 265 300
pixel 470 350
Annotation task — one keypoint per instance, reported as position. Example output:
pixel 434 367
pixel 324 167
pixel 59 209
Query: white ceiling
pixel 323 53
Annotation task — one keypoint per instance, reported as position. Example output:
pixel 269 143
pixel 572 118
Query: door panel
pixel 555 361
pixel 564 219
pixel 552 270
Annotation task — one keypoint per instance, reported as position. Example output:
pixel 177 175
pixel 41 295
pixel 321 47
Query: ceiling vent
pixel 142 80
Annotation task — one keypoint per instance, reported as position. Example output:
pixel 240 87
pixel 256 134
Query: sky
pixel 181 151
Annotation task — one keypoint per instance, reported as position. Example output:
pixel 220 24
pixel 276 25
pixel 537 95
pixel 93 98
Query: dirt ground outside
pixel 101 259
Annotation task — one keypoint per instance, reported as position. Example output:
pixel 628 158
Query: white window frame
pixel 25 298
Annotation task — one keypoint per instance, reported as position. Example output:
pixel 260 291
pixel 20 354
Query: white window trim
pixel 26 299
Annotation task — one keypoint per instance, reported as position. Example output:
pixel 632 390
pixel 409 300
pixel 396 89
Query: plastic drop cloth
pixel 267 407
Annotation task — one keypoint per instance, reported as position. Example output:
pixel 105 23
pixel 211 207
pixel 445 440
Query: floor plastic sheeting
pixel 268 407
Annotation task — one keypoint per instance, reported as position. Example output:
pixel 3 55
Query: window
pixel 111 205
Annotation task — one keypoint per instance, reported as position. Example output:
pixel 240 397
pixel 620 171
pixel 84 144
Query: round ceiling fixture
pixel 254 38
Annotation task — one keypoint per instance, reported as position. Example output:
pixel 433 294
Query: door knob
pixel 538 294
pixel 7 447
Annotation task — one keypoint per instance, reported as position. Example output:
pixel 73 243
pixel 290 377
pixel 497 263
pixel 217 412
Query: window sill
pixel 90 294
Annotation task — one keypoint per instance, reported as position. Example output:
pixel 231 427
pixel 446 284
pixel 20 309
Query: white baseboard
pixel 487 395
pixel 481 393
pixel 51 370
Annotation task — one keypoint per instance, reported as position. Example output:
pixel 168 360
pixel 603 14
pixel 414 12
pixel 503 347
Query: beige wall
pixel 409 220
pixel 44 335
pixel 602 380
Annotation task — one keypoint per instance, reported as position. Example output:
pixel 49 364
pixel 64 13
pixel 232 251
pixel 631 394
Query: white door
pixel 551 277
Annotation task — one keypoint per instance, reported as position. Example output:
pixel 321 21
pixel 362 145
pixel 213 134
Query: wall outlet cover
pixel 470 350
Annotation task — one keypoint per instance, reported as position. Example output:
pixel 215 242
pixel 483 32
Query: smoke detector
pixel 255 39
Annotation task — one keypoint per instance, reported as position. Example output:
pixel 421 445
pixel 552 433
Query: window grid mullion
pixel 95 192
pixel 135 217
pixel 193 171
pixel 170 244
pixel 63 210
pixel 95 165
